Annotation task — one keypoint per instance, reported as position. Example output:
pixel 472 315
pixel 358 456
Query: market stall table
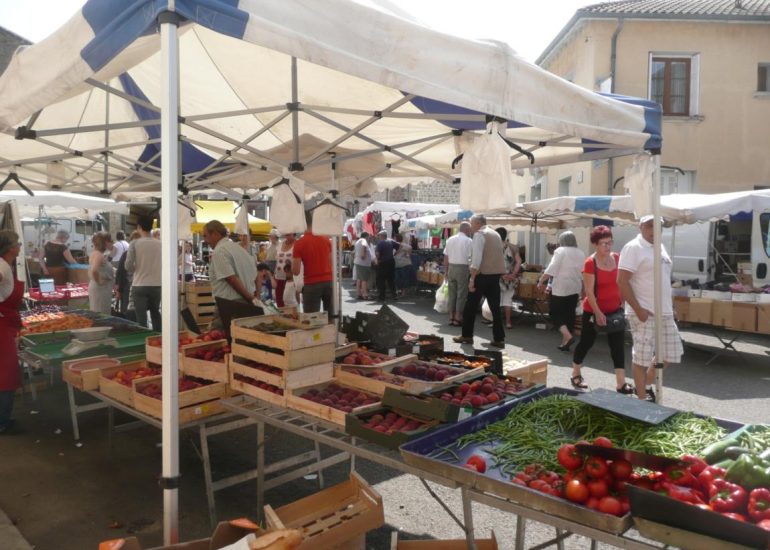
pixel 67 295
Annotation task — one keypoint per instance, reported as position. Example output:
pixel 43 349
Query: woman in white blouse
pixel 566 270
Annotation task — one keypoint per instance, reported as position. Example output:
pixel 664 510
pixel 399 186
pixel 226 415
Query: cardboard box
pixel 525 290
pixel 78 274
pixel 721 313
pixel 225 533
pixel 681 307
pixel 700 310
pixel 763 318
pixel 459 544
pixel 744 317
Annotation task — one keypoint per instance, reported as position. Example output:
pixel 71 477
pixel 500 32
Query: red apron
pixel 10 324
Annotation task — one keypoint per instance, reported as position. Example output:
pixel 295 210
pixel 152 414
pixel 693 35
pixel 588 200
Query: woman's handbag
pixel 616 321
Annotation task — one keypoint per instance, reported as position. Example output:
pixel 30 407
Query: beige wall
pixel 727 143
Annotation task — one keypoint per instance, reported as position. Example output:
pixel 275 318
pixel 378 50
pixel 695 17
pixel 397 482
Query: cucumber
pixel 736 451
pixel 716 451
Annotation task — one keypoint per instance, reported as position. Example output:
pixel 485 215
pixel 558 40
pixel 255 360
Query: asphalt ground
pixel 63 497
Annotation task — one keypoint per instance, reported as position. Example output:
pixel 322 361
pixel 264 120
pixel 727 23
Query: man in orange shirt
pixel 315 254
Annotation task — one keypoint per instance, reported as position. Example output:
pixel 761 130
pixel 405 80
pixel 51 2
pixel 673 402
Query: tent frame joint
pixel 457 132
pixel 170 17
pixel 169 483
pixel 24 132
pixel 292 106
pixel 296 167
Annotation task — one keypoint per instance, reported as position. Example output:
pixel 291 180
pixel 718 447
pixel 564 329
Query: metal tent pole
pixel 658 284
pixel 168 222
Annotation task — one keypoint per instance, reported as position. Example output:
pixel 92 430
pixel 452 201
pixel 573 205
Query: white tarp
pixel 236 82
pixel 58 204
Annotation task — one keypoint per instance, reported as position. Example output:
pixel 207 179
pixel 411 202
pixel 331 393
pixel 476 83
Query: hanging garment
pixel 287 212
pixel 396 226
pixel 328 218
pixel 487 179
pixel 638 183
pixel 242 220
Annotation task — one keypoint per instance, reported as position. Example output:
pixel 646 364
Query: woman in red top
pixel 11 295
pixel 602 297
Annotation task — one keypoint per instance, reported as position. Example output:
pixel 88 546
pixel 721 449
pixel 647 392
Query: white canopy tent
pixel 107 94
pixel 58 204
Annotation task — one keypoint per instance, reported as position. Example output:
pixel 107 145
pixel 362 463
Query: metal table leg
pixel 521 531
pixel 468 518
pixel 110 427
pixel 73 412
pixel 207 475
pixel 260 470
pixel 317 447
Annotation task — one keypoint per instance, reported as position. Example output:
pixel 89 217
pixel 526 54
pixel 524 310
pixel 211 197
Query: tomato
pixel 576 491
pixel 470 466
pixel 625 504
pixel 538 485
pixel 521 476
pixel 733 515
pixel 519 481
pixel 596 467
pixel 610 505
pixel 602 441
pixel 598 488
pixel 704 507
pixel 549 477
pixel 592 503
pixel 569 457
pixel 575 474
pixel 621 469
pixel 619 486
pixel 478 463
pixel 764 524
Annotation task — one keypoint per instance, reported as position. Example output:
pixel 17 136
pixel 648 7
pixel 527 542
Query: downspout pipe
pixel 613 69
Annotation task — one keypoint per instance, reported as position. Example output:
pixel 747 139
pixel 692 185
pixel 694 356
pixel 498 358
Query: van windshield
pixel 764 225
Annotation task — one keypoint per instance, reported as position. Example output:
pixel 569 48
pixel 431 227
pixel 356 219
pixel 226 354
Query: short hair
pixel 503 232
pixel 120 236
pixel 364 235
pixel 465 227
pixel 62 234
pixel 145 223
pixel 134 235
pixel 261 266
pixel 8 239
pixel 600 232
pixel 568 239
pixel 481 218
pixel 215 226
pixel 100 240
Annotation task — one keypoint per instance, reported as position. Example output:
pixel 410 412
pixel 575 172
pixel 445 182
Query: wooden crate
pixel 200 368
pixel 153 354
pixel 533 372
pixel 284 378
pixel 199 292
pixel 336 517
pixel 294 401
pixel 86 377
pixel 459 544
pixel 297 335
pixel 289 360
pixel 116 390
pixel 242 386
pixel 195 403
pixel 203 313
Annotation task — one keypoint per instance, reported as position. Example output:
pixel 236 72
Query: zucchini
pixel 736 451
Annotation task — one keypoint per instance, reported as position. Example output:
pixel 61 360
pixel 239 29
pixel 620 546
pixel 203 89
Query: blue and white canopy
pixel 377 96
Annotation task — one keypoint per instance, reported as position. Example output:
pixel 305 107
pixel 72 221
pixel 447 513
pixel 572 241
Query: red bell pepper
pixel 727 497
pixel 679 475
pixel 679 492
pixel 696 463
pixel 707 477
pixel 759 504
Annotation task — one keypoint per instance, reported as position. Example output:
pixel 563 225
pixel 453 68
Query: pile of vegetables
pixel 533 432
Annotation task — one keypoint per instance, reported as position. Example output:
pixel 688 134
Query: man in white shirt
pixel 363 262
pixel 119 247
pixel 636 281
pixel 457 254
pixel 143 261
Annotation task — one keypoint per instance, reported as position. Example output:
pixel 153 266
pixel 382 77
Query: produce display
pixel 273 327
pixel 339 397
pixel 392 422
pixel 486 391
pixel 41 313
pixel 364 357
pixel 462 360
pixel 376 374
pixel 533 432
pixel 155 390
pixel 258 383
pixel 216 355
pixel 260 366
pixel 55 321
pixel 185 340
pixel 430 372
pixel 125 377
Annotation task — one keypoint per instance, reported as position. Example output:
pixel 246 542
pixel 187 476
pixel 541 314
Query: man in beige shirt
pixel 487 264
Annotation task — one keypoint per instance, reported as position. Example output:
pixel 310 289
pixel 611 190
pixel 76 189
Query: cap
pixel 383 232
pixel 648 218
pixel 274 231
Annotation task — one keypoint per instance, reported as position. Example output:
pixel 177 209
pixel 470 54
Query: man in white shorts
pixel 636 282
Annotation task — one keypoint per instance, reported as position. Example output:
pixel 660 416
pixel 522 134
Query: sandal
pixel 578 383
pixel 626 389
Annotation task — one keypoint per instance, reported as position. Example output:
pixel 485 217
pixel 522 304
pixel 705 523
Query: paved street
pixel 63 497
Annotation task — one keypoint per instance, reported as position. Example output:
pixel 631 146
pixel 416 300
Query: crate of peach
pixel 198 398
pixel 153 344
pixel 405 373
pixel 53 322
pixel 117 382
pixel 330 400
pixel 388 426
pixel 284 343
pixel 244 381
pixel 280 378
pixel 207 360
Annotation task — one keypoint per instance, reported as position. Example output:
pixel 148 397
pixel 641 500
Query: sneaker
pixel 651 395
pixel 463 340
pixel 497 343
pixel 626 389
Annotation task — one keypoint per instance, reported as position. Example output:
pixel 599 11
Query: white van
pixel 39 231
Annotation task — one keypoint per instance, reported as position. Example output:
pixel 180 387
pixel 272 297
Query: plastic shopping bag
pixel 442 298
pixel 486 311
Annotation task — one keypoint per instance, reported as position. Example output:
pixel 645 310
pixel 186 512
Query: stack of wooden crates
pixel 200 301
